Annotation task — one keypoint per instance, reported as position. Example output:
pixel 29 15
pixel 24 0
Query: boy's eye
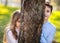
pixel 47 10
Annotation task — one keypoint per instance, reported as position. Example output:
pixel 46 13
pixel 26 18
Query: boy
pixel 48 30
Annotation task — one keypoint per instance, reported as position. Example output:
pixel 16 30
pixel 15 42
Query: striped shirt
pixel 48 32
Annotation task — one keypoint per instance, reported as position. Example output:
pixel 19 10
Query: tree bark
pixel 6 2
pixel 32 20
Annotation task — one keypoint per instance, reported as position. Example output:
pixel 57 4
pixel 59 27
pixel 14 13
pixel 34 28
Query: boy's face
pixel 47 12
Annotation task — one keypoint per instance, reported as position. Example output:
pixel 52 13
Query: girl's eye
pixel 20 21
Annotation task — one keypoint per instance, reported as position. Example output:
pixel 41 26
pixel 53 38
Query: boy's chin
pixel 46 18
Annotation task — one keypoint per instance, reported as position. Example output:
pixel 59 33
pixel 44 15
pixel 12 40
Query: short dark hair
pixel 50 6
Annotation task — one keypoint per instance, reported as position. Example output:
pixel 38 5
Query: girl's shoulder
pixel 8 29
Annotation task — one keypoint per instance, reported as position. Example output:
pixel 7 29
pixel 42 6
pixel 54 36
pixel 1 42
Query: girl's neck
pixel 17 27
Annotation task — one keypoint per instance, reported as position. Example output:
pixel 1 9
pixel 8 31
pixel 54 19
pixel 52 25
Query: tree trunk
pixel 6 2
pixel 32 20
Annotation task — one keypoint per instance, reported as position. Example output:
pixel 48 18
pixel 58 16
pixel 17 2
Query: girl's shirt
pixel 10 37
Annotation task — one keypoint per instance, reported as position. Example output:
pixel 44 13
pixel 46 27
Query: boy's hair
pixel 50 6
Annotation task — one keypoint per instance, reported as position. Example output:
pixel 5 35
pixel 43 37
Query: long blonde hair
pixel 15 17
pixel 12 25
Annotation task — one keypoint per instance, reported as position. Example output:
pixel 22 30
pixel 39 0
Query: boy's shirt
pixel 48 32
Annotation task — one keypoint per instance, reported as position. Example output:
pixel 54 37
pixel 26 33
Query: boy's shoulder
pixel 48 28
pixel 49 25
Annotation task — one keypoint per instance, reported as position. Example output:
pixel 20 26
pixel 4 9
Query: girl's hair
pixel 32 21
pixel 15 17
pixel 11 25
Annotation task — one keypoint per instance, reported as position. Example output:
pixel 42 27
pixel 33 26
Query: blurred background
pixel 55 18
pixel 8 6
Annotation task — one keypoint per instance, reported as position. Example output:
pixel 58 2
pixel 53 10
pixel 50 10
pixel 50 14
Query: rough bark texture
pixel 32 20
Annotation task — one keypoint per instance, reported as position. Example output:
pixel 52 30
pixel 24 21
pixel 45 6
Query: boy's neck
pixel 45 20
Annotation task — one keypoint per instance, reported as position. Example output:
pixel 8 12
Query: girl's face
pixel 18 23
pixel 47 12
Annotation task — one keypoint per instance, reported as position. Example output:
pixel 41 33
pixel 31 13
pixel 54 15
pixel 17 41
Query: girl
pixel 12 30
